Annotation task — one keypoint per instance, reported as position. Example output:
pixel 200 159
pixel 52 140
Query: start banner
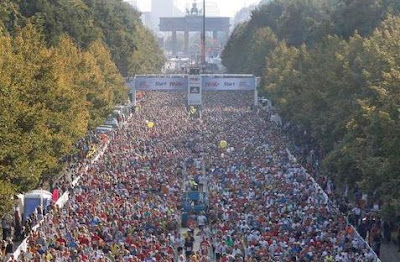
pixel 181 82
pixel 228 83
pixel 157 83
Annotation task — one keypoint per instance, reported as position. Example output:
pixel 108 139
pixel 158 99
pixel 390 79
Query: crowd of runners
pixel 263 205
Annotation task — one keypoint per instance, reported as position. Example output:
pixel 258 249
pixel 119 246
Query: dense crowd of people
pixel 362 211
pixel 125 206
pixel 263 206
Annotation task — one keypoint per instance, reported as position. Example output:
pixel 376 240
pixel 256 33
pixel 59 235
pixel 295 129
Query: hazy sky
pixel 227 7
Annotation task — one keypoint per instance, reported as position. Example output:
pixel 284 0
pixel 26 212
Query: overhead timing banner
pixel 157 83
pixel 211 83
pixel 180 82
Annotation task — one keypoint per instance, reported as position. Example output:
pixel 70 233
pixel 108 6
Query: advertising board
pixel 194 90
pixel 211 83
pixel 148 83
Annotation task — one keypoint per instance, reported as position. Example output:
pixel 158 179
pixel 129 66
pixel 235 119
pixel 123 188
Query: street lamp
pixel 203 39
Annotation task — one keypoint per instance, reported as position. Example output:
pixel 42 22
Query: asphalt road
pixel 390 253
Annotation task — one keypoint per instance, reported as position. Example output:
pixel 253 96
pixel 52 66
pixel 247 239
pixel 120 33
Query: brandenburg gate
pixel 193 22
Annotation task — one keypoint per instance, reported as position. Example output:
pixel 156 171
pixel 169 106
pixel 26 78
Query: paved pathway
pixel 389 253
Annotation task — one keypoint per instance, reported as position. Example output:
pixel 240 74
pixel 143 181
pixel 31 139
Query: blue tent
pixel 35 199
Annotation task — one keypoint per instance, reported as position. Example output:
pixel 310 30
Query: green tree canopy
pixel 333 68
pixel 62 64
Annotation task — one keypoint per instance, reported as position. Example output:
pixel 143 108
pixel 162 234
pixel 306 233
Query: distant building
pixel 146 19
pixel 161 8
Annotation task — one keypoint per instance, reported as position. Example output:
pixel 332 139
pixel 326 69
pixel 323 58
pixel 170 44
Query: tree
pixel 87 21
pixel 104 85
pixel 60 75
pixel 362 16
pixel 341 88
pixel 235 52
pixel 264 42
pixel 303 22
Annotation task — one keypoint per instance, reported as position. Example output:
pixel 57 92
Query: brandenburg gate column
pixel 174 42
pixel 215 36
pixel 186 42
pixel 191 23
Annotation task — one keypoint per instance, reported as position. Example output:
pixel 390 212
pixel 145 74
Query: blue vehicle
pixel 193 204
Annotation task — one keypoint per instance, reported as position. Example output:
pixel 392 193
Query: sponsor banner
pixel 194 90
pixel 154 83
pixel 228 83
pixel 143 83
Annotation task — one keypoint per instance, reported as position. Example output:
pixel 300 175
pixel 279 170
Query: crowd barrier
pixel 326 197
pixel 60 203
